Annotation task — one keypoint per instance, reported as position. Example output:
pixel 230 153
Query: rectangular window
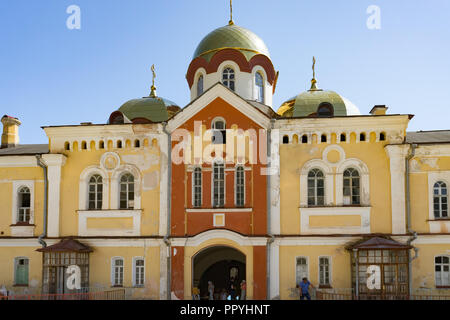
pixel 442 271
pixel 117 272
pixel 219 185
pixel 21 272
pixel 197 187
pixel 139 272
pixel 301 269
pixel 240 186
pixel 324 271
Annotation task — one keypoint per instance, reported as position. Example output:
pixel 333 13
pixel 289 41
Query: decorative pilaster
pixel 397 155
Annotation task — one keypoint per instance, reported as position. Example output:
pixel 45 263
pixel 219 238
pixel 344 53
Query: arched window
pixel 442 271
pixel 119 144
pixel 138 272
pixel 325 110
pixel 362 136
pixel 240 186
pixel 137 144
pixel 24 209
pixel 440 200
pixel 382 136
pixel 101 145
pixel 218 184
pixel 285 139
pixel 127 191
pixel 67 146
pixel 197 187
pixel 219 132
pixel 259 87
pixel 316 188
pixel 304 138
pixel 95 192
pixel 323 138
pixel 352 191
pixel 228 78
pixel 343 137
pixel 117 272
pixel 200 85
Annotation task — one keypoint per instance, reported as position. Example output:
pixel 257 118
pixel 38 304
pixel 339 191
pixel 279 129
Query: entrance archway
pixel 222 265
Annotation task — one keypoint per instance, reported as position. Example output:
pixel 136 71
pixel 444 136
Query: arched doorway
pixel 222 265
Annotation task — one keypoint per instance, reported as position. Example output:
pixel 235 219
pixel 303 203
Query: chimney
pixel 10 136
pixel 379 110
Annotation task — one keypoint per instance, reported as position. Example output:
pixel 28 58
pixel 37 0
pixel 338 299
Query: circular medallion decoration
pixel 110 161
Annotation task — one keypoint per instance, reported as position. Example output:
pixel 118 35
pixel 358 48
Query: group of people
pixel 230 294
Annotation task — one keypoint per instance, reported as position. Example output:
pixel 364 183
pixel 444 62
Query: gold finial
pixel 153 88
pixel 314 81
pixel 231 13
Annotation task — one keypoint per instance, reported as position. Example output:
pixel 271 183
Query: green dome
pixel 307 104
pixel 153 109
pixel 231 37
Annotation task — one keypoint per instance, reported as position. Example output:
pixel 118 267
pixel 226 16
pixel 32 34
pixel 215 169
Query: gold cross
pixel 153 88
pixel 231 13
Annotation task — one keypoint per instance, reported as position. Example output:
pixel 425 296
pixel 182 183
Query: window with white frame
pixel 24 205
pixel 117 272
pixel 440 200
pixel 228 78
pixel 139 272
pixel 95 192
pixel 442 271
pixel 324 271
pixel 21 269
pixel 259 87
pixel 316 188
pixel 219 132
pixel 197 187
pixel 218 184
pixel 352 190
pixel 200 85
pixel 240 186
pixel 301 269
pixel 127 191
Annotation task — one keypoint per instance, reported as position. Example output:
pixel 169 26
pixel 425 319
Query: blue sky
pixel 51 75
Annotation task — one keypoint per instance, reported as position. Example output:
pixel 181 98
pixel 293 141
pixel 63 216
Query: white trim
pixel 133 266
pixel 307 266
pixel 84 231
pixel 16 186
pixel 434 177
pixel 83 195
pixel 363 171
pixel 193 185
pixel 329 271
pixel 328 180
pixel 363 212
pixel 113 259
pixel 235 185
pixel 18 161
pixel 218 90
pixel 115 185
pixel 434 266
pixel 397 154
pixel 218 215
pixel 219 234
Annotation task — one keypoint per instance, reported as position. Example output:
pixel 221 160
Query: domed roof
pixel 144 110
pixel 154 109
pixel 231 36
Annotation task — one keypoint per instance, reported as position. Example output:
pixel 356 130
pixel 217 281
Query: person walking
pixel 243 289
pixel 211 290
pixel 304 289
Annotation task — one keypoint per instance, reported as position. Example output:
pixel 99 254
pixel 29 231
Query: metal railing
pixel 336 295
pixel 100 295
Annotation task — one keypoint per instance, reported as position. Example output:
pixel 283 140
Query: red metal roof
pixel 67 245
